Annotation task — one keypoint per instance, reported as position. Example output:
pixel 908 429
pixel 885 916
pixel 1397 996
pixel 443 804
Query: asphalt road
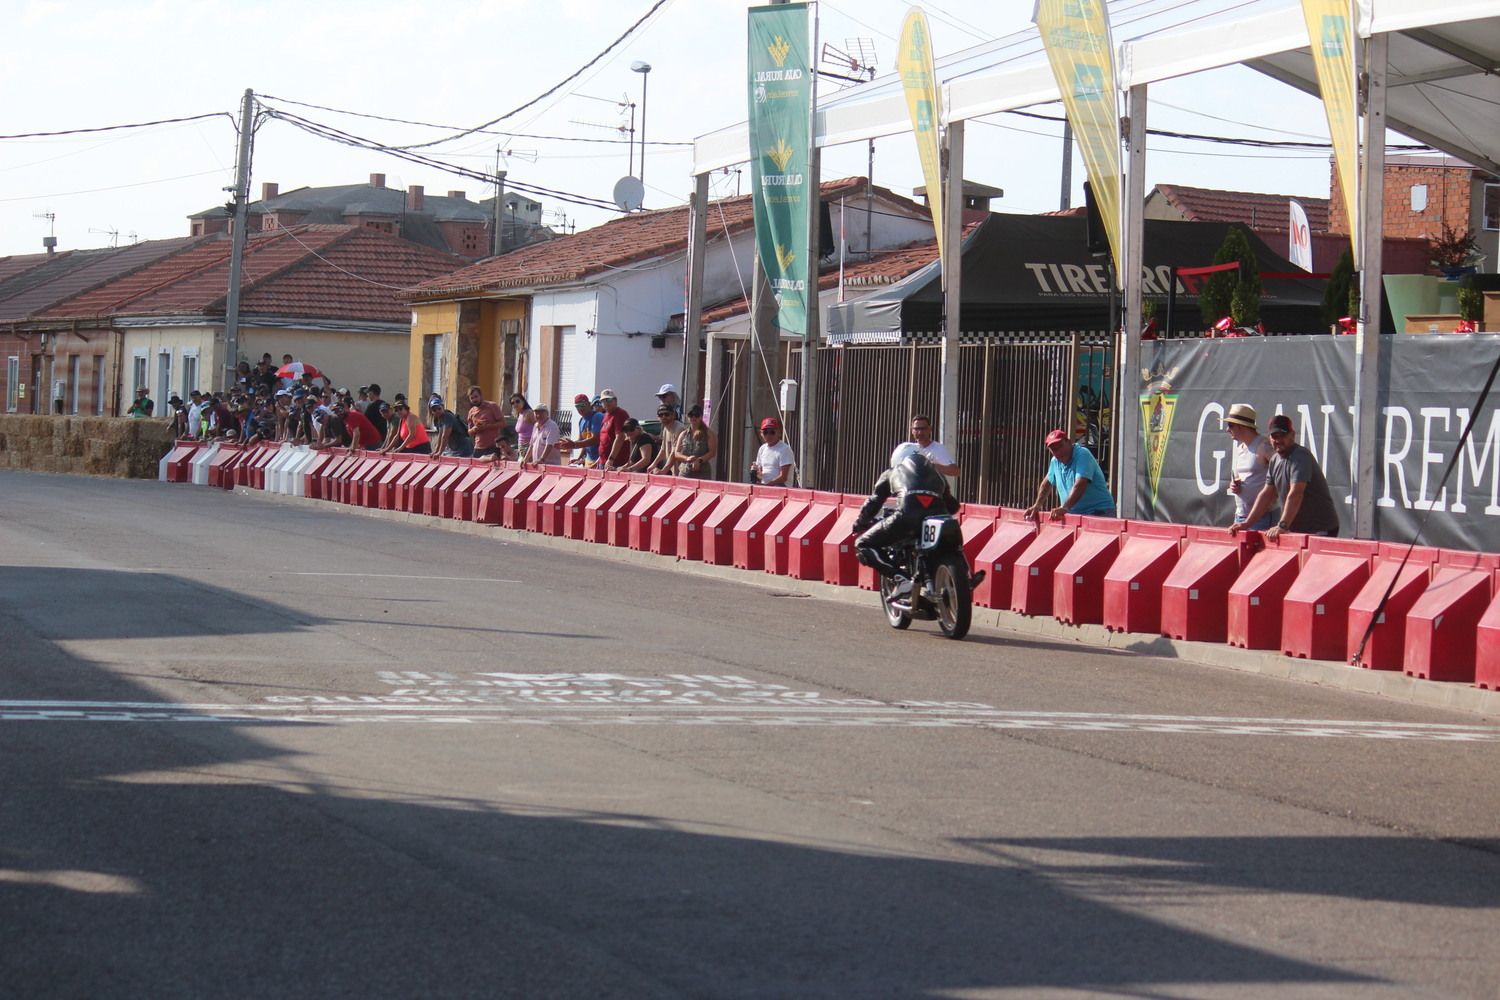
pixel 250 749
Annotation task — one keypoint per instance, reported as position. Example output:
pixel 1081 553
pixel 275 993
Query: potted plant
pixel 1470 308
pixel 1451 250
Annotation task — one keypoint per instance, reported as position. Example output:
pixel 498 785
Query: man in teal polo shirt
pixel 1076 476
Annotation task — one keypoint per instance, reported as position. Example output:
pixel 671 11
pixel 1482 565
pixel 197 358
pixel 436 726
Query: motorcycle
pixel 942 588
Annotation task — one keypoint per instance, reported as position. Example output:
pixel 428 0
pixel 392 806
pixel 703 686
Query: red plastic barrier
pixel 1315 611
pixel 691 522
pixel 575 513
pixel 312 475
pixel 1487 648
pixel 718 528
pixel 617 517
pixel 409 484
pixel 598 515
pixel 486 501
pixel 1078 578
pixel 513 508
pixel 1011 535
pixel 257 479
pixel 551 505
pixel 465 501
pixel 437 492
pixel 840 567
pixel 664 527
pixel 1442 625
pixel 1031 577
pixel 749 531
pixel 1255 599
pixel 180 461
pixel 226 455
pixel 1195 595
pixel 977 520
pixel 367 477
pixel 552 477
pixel 1133 585
pixel 383 486
pixel 777 534
pixel 805 542
pixel 1386 649
pixel 642 513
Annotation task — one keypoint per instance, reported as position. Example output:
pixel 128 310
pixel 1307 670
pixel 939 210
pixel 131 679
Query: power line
pixel 112 128
pixel 658 5
pixel 510 135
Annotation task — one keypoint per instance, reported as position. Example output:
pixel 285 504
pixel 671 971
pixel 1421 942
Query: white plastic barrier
pixel 274 481
pixel 200 463
pixel 292 473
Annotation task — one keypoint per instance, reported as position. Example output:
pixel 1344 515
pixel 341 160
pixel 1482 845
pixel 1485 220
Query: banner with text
pixel 924 106
pixel 1430 386
pixel 1330 33
pixel 781 95
pixel 1075 34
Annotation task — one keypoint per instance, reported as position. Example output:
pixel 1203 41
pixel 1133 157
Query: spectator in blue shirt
pixel 1076 476
pixel 586 428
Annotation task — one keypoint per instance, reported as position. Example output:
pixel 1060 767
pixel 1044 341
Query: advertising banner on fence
pixel 924 106
pixel 1075 34
pixel 1330 33
pixel 1431 384
pixel 781 96
pixel 1299 236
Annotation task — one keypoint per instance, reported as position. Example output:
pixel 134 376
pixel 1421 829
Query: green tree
pixel 1341 297
pixel 1233 293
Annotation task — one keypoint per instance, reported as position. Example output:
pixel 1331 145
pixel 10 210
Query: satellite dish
pixel 629 193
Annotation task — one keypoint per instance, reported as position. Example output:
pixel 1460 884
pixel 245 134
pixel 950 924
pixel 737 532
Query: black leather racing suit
pixel 920 492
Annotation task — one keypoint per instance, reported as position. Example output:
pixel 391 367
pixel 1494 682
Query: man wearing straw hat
pixel 1250 464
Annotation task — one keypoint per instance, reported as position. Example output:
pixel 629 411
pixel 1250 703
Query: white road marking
pixel 891 716
pixel 362 576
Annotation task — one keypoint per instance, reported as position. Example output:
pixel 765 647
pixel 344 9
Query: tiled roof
pixel 886 268
pixel 357 278
pixel 628 240
pixel 39 289
pixel 1258 211
pixel 19 264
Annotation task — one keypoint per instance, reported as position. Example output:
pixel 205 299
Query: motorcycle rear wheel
pixel 896 619
pixel 951 596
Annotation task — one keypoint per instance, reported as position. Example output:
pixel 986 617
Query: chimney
pixel 269 190
pixel 414 198
pixel 457 194
pixel 377 180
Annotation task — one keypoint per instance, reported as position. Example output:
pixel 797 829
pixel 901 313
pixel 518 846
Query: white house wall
pixel 350 358
pixel 625 307
pixel 151 342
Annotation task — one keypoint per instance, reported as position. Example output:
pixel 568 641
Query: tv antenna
pixel 50 240
pixel 113 234
pixel 853 64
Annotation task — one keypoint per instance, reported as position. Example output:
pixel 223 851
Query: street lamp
pixel 643 68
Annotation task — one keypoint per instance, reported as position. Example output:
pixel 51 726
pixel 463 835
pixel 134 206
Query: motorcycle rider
pixel 920 491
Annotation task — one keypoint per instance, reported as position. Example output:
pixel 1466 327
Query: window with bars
pixel 12 383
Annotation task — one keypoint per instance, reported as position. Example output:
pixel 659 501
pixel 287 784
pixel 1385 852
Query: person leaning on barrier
pixel 1076 476
pixel 1251 463
pixel 1297 481
pixel 697 447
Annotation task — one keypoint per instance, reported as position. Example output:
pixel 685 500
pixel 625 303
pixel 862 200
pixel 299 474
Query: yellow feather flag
pixel 1330 32
pixel 924 105
pixel 1075 34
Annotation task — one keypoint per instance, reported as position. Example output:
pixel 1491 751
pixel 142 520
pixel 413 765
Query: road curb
pixel 1324 673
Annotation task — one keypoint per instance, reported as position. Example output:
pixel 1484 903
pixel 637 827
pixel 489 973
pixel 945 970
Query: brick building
pixel 1423 192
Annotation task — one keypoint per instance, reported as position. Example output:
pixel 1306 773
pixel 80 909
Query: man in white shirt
pixel 544 438
pixel 937 453
pixel 773 462
pixel 195 414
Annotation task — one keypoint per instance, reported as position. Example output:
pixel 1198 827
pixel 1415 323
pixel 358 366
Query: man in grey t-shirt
pixel 1295 479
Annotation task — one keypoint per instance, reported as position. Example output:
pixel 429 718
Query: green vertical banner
pixel 781 95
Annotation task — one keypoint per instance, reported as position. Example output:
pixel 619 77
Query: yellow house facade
pixel 467 342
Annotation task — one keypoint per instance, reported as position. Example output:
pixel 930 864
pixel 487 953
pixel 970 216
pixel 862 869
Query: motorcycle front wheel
pixel 896 619
pixel 951 596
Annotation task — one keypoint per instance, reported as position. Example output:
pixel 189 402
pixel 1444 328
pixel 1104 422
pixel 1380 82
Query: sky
pixel 79 64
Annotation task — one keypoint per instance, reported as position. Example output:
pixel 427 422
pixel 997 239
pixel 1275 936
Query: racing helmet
pixel 904 450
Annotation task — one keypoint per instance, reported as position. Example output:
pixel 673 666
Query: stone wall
pixel 95 446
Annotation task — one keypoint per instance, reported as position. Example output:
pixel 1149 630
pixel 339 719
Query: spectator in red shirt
pixel 362 433
pixel 486 422
pixel 611 432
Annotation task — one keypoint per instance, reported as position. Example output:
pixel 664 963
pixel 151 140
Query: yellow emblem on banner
pixel 779 50
pixel 1157 409
pixel 785 257
pixel 781 154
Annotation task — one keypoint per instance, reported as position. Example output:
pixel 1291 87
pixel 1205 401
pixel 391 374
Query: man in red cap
pixel 1075 474
pixel 773 462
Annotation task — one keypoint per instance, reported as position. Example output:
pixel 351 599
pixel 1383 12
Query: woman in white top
pixel 1251 463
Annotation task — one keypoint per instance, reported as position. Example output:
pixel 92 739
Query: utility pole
pixel 498 243
pixel 1066 201
pixel 237 241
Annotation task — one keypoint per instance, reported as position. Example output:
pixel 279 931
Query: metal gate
pixel 1012 389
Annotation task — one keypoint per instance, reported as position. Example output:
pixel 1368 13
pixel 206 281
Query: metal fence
pixel 1013 389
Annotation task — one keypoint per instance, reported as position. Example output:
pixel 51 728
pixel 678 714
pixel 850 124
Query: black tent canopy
pixel 1025 273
